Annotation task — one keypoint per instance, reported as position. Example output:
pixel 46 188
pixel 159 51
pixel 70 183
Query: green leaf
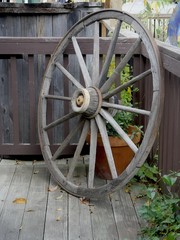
pixel 171 236
pixel 151 193
pixel 169 180
pixel 177 174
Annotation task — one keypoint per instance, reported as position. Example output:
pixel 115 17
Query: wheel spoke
pixel 119 130
pixel 126 108
pixel 78 149
pixel 87 79
pixel 60 120
pixel 109 56
pixel 92 157
pixel 67 140
pixel 120 66
pixel 127 84
pixel 68 75
pixel 95 72
pixel 55 97
pixel 107 147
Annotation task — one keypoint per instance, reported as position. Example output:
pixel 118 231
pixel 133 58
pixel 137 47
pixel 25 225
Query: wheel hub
pixel 87 101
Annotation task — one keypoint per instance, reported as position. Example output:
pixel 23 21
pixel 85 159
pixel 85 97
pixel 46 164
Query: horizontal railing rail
pixel 22 65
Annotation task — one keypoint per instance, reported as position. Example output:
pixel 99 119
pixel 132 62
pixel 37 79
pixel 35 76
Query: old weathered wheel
pixel 84 106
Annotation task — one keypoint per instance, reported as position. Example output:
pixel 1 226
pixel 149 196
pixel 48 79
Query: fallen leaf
pixel 20 201
pixel 52 189
pixel 58 209
pixel 85 201
pixel 36 172
pixel 127 190
pixel 30 210
pixel 18 162
pixel 21 227
pixel 34 161
pixel 58 219
pixel 58 198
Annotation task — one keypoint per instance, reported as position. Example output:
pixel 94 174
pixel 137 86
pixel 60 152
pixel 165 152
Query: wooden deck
pixel 32 207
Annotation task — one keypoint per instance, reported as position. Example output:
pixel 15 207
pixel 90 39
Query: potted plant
pixel 122 153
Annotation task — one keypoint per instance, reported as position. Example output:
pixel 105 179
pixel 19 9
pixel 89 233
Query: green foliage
pixel 170 179
pixel 123 118
pixel 157 27
pixel 148 173
pixel 160 211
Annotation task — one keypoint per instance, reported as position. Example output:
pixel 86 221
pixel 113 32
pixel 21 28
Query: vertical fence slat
pixel 14 96
pixel 66 93
pixel 33 107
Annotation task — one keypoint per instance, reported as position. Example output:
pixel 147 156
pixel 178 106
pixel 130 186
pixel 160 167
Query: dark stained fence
pixel 22 64
pixel 169 144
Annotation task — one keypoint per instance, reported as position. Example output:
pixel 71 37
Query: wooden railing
pixel 157 25
pixel 22 64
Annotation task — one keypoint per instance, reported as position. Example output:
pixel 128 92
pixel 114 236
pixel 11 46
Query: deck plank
pixel 79 212
pixel 125 215
pixel 35 210
pixel 56 216
pixel 6 175
pixel 103 222
pixel 12 214
pixel 102 217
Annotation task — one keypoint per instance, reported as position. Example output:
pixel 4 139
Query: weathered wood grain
pixel 6 175
pixel 103 222
pixel 35 210
pixel 52 214
pixel 125 215
pixel 56 222
pixel 79 213
pixel 12 213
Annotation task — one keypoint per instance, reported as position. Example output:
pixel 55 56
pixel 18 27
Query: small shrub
pixel 161 212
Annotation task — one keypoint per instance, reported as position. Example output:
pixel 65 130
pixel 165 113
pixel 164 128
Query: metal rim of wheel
pixel 89 101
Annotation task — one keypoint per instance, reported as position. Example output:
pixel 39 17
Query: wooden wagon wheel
pixel 88 103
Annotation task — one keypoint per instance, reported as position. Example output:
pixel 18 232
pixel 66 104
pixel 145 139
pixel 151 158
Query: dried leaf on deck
pixel 30 210
pixel 18 162
pixel 20 201
pixel 58 209
pixel 52 188
pixel 36 172
pixel 58 198
pixel 84 201
pixel 21 227
pixel 58 219
pixel 127 190
pixel 34 161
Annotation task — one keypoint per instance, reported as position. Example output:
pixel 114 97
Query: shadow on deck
pixel 47 212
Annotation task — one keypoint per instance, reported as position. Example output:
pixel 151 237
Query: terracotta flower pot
pixel 122 154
